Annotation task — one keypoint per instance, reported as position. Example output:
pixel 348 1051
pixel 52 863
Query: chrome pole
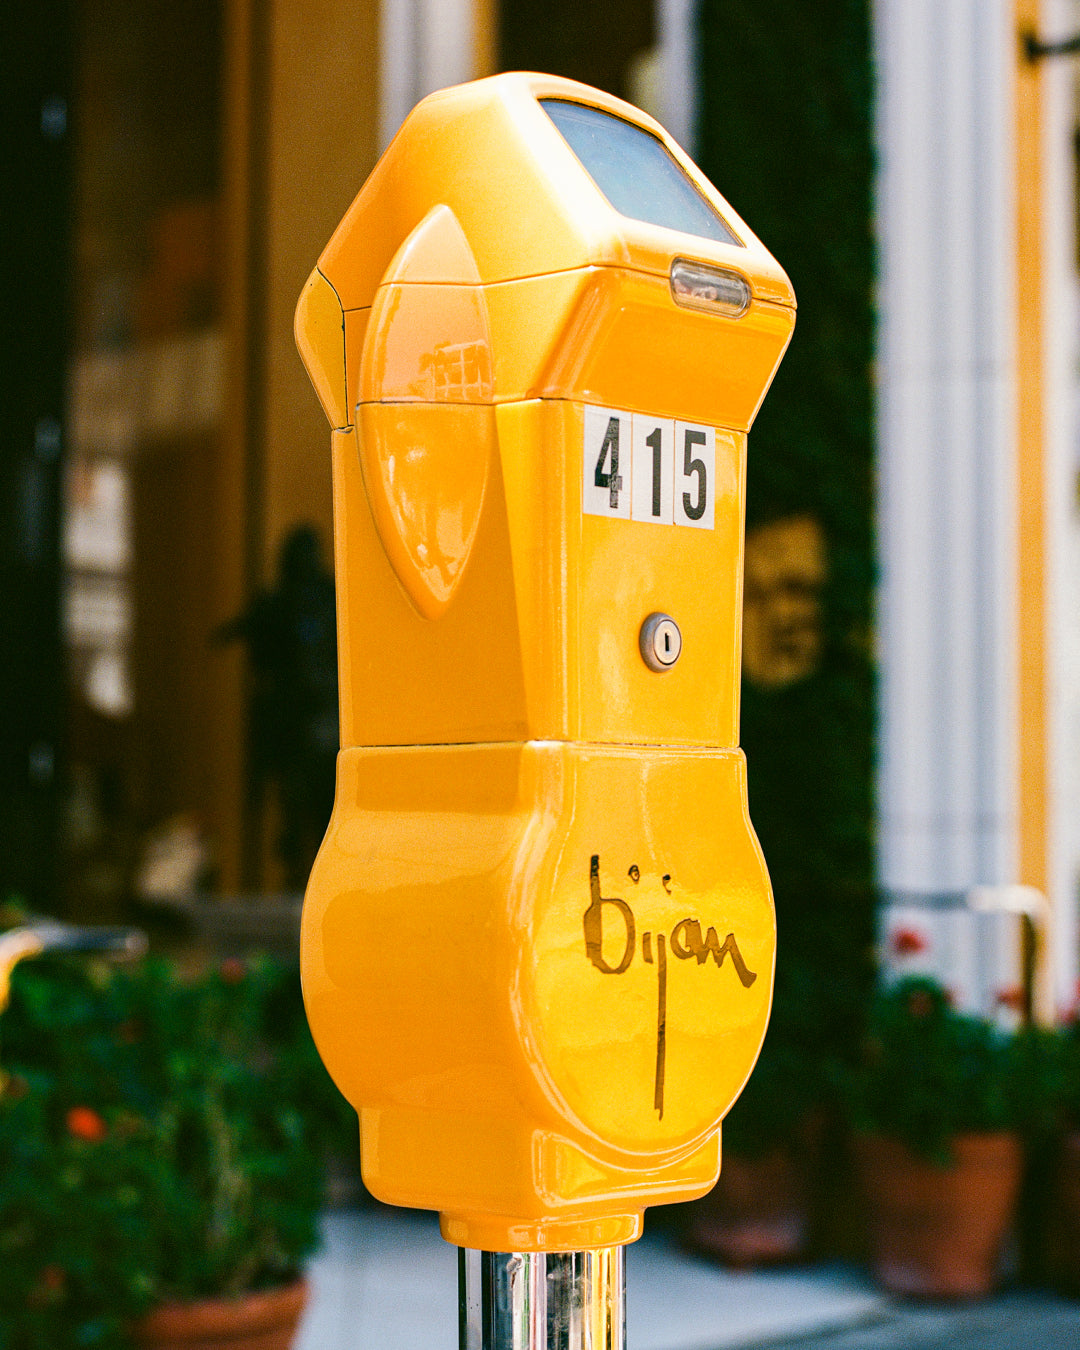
pixel 542 1300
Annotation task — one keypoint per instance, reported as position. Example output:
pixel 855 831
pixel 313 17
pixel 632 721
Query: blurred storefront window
pixel 213 147
pixel 145 409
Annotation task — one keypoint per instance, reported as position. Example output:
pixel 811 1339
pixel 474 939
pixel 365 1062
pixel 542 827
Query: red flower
pixel 233 970
pixel 1012 998
pixel 53 1278
pixel 908 942
pixel 83 1122
pixel 48 1288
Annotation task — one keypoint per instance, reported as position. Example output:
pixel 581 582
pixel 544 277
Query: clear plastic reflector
pixel 713 289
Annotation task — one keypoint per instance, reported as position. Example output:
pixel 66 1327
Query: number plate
pixel 637 467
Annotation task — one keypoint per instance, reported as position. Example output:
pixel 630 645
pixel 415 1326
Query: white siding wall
pixel 675 24
pixel 947 454
pixel 424 45
pixel 1061 18
pixel 946 443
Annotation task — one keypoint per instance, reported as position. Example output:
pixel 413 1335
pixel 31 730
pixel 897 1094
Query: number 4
pixel 612 479
pixel 605 487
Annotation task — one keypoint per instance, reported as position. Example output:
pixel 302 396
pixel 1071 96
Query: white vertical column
pixel 946 443
pixel 677 41
pixel 424 45
pixel 1061 18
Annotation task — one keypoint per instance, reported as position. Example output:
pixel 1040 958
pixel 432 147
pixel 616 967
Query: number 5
pixel 694 489
pixel 695 466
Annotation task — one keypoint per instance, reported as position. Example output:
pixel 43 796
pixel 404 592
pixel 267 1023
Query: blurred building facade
pixel 978 454
pixel 211 152
pixel 208 154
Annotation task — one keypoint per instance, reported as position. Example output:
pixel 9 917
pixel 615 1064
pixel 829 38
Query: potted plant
pixel 758 1211
pixel 935 1111
pixel 162 1141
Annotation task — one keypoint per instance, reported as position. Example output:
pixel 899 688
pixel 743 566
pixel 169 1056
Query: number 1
pixel 652 476
pixel 655 443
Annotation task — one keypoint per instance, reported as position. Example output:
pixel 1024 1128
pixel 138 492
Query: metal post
pixel 542 1300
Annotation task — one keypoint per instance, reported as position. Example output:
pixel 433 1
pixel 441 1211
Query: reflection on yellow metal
pixel 538 941
pixel 320 337
pixel 426 416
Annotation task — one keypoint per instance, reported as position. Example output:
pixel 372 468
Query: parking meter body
pixel 538 940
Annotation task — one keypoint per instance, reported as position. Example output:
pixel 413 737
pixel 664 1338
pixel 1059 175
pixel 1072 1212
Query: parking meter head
pixel 538 941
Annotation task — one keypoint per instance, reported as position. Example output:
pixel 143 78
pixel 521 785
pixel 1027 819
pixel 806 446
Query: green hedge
pixel 162 1136
pixel 785 132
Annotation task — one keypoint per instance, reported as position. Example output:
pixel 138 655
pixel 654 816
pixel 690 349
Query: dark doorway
pixel 35 313
pixel 595 41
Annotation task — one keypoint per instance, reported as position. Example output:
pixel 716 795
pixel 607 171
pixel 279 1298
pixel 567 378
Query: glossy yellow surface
pixel 489 152
pixel 15 946
pixel 538 941
pixel 320 339
pixel 541 641
pixel 524 1052
pixel 426 416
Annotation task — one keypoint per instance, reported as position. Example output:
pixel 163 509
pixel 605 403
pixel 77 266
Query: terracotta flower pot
pixel 756 1214
pixel 266 1320
pixel 937 1232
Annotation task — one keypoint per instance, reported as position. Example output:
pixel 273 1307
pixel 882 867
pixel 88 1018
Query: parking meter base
pixel 535 1193
pixel 580 1225
pixel 498 1233
pixel 573 1300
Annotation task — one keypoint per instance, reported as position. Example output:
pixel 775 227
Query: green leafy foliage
pixel 790 1083
pixel 785 131
pixel 774 1106
pixel 161 1137
pixel 929 1073
pixel 1048 1068
pixel 1066 1071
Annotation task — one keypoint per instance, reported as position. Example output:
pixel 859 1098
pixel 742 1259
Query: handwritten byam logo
pixel 686 942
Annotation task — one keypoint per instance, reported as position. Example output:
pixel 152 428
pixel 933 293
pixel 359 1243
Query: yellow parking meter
pixel 538 941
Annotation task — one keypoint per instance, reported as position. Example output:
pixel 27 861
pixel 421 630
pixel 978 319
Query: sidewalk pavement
pixel 1018 1321
pixel 385 1280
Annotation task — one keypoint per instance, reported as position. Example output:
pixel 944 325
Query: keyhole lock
pixel 660 642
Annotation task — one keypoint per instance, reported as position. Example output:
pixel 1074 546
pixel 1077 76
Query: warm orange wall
pixel 1031 486
pixel 487 38
pixel 322 145
pixel 227 523
pixel 299 138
